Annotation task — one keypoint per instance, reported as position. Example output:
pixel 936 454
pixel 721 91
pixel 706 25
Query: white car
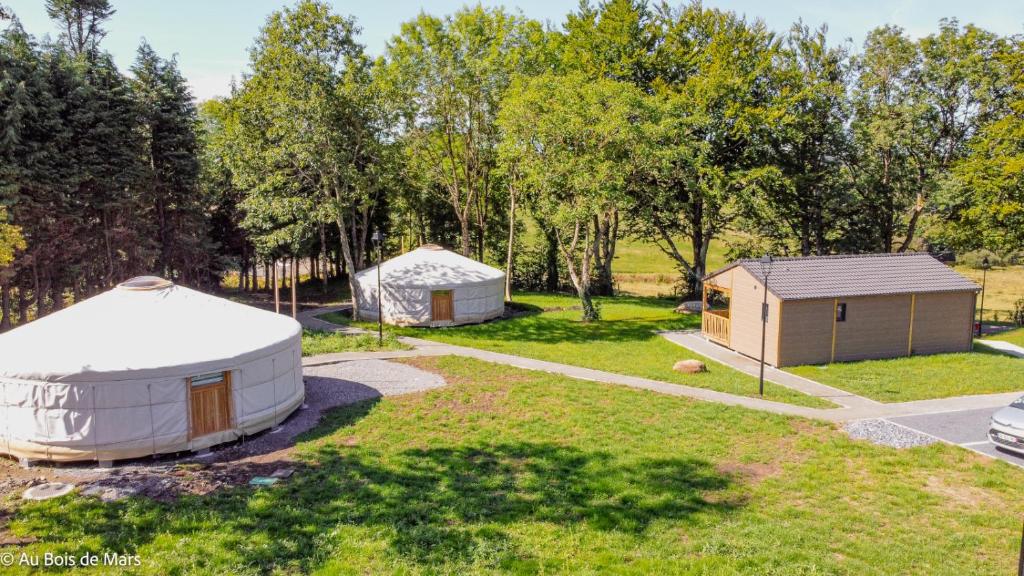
pixel 1006 430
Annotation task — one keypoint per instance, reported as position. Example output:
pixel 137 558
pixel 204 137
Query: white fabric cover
pixel 478 290
pixel 107 378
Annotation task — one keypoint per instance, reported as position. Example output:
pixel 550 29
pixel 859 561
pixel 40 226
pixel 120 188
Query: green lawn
pixel 983 371
pixel 512 472
pixel 318 342
pixel 1012 336
pixel 624 341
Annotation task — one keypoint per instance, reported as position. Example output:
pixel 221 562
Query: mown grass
pixel 624 341
pixel 321 342
pixel 1015 336
pixel 984 371
pixel 512 472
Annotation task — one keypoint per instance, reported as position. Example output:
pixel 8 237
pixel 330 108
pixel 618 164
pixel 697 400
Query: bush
pixel 1017 316
pixel 974 259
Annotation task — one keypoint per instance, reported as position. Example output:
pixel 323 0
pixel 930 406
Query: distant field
pixel 641 268
pixel 1004 286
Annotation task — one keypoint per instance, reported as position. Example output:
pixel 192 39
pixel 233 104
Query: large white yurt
pixel 431 286
pixel 146 368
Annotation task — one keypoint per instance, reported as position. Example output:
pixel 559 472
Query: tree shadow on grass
pixel 435 507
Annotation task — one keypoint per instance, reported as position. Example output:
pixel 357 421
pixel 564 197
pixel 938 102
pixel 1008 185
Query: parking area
pixel 967 428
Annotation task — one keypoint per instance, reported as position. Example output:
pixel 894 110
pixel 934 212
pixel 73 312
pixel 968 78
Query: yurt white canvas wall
pixel 431 286
pixel 146 368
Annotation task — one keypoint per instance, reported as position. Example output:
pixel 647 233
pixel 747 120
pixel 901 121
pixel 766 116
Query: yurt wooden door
pixel 210 401
pixel 441 306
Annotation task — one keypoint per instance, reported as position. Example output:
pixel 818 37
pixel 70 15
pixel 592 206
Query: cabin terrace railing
pixel 715 326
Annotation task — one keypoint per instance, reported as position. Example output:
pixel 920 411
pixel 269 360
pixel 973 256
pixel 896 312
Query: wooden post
pixel 277 293
pixel 835 309
pixel 910 336
pixel 294 280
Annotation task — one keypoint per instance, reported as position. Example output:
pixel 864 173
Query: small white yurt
pixel 146 368
pixel 431 286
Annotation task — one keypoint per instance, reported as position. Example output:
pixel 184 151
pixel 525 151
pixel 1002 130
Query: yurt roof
pixel 433 267
pixel 144 328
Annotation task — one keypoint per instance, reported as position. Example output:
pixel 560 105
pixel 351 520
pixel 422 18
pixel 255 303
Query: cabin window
pixel 841 312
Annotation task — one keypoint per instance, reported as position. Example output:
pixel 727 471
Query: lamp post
pixel 378 241
pixel 984 275
pixel 766 270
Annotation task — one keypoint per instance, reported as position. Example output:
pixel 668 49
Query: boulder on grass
pixel 690 367
pixel 690 307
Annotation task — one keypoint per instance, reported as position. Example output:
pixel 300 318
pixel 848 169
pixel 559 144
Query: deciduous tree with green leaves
pixel 571 141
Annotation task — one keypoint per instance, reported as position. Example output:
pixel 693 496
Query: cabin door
pixel 210 402
pixel 441 308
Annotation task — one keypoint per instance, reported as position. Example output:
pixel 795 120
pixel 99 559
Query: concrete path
pixel 693 341
pixel 1004 347
pixel 308 319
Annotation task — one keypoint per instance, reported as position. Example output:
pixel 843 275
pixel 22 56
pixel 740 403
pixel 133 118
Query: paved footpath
pixel 1004 347
pixel 853 407
pixel 692 340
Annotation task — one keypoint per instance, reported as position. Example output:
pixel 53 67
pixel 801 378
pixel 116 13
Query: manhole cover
pixel 47 491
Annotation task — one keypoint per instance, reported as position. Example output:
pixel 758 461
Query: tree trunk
pixel 323 256
pixel 57 295
pixel 277 293
pixel 467 251
pixel 551 278
pixel 580 279
pixel 5 307
pixel 295 281
pixel 346 253
pixel 23 304
pixel 511 243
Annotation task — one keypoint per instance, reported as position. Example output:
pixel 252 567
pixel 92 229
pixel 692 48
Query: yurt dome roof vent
pixel 145 283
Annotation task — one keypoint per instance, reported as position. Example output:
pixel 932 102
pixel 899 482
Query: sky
pixel 211 38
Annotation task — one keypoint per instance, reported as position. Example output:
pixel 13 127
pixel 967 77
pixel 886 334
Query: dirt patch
pixel 752 472
pixel 961 495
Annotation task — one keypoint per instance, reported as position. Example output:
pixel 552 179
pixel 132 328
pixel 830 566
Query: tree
pixel 571 140
pixel 451 74
pixel 984 204
pixel 808 142
pixel 169 121
pixel 707 153
pixel 81 21
pixel 916 106
pixel 302 145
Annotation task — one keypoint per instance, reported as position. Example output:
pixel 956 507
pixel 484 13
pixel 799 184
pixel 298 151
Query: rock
pixel 690 366
pixel 690 307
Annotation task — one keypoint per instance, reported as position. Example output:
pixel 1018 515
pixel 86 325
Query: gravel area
pixel 330 386
pixel 885 433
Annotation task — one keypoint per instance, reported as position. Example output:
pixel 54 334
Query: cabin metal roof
pixel 811 277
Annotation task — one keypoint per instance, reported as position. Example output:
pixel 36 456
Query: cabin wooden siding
pixel 745 317
pixel 943 323
pixel 807 332
pixel 876 327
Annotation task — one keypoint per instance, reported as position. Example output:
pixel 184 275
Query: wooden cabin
pixel 825 309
